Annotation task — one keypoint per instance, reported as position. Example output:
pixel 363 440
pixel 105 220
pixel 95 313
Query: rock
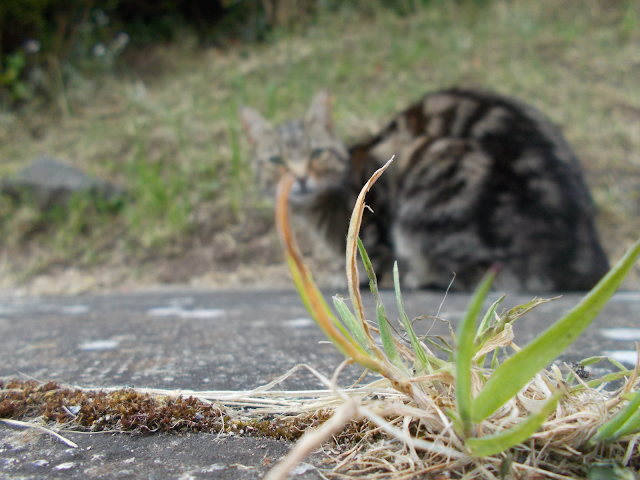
pixel 49 182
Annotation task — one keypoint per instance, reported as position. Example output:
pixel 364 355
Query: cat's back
pixel 480 178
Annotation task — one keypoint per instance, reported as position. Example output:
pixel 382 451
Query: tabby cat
pixel 478 179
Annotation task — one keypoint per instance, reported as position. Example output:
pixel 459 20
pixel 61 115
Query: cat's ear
pixel 320 110
pixel 254 124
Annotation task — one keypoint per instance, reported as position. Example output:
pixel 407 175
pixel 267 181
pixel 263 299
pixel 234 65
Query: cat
pixel 478 179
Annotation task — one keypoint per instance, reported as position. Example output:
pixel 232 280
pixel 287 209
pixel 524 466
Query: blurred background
pixel 140 98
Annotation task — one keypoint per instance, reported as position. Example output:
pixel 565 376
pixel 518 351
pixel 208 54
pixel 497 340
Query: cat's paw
pixel 411 281
pixel 337 282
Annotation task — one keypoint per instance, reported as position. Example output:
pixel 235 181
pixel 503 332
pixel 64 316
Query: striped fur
pixel 478 179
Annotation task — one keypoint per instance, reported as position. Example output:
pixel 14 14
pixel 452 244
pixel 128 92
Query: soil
pixel 243 255
pixel 230 259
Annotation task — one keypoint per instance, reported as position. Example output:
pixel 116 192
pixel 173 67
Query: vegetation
pixel 51 37
pixel 483 417
pixel 162 122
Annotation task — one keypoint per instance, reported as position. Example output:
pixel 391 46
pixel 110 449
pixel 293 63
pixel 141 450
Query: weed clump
pixel 514 415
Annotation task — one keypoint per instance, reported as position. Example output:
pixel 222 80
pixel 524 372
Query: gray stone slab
pixel 50 182
pixel 209 340
pixel 26 454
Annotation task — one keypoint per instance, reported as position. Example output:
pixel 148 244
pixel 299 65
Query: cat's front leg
pixel 336 280
pixel 414 267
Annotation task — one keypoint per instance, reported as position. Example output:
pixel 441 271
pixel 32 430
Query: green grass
pixel 177 146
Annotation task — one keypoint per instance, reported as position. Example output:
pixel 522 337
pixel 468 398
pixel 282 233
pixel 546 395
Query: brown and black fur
pixel 478 179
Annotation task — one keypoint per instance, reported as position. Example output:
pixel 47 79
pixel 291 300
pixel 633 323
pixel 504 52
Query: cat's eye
pixel 276 160
pixel 315 153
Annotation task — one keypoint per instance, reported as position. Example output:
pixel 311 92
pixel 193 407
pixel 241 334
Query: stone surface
pixel 30 454
pixel 211 340
pixel 49 182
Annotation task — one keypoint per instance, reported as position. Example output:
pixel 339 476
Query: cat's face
pixel 307 148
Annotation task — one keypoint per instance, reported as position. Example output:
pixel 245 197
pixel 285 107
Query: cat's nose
pixel 302 183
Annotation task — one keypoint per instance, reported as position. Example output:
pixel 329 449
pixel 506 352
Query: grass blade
pixel 386 335
pixel 445 347
pixel 501 441
pixel 309 292
pixel 465 351
pixel 515 372
pixel 609 431
pixel 455 419
pixel 486 321
pixel 591 360
pixel 352 323
pixel 610 377
pixel 320 312
pixel 484 332
pixel 630 426
pixel 415 343
pixel 520 310
pixel 351 260
pixel 509 318
pixel 318 308
pixel 500 340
